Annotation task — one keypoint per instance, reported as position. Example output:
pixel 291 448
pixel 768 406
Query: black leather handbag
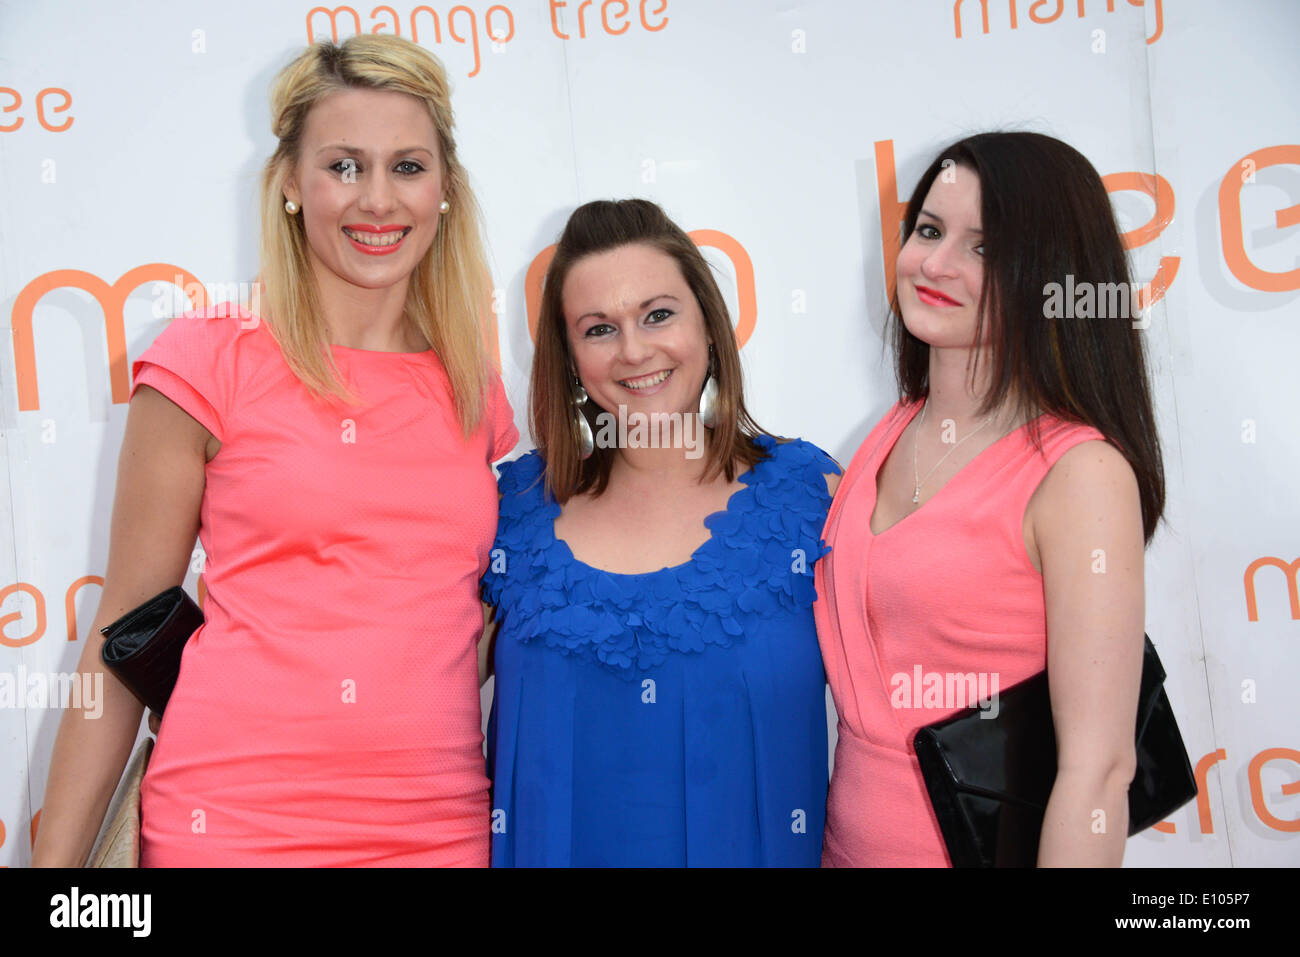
pixel 989 778
pixel 143 647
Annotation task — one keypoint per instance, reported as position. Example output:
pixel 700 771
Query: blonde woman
pixel 333 454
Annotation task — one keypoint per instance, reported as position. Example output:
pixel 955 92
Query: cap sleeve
pixel 193 363
pixel 501 420
pixel 802 461
pixel 521 510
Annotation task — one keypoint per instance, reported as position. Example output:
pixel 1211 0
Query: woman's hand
pixel 160 484
pixel 1086 527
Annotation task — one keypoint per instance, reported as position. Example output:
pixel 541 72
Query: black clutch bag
pixel 143 647
pixel 989 778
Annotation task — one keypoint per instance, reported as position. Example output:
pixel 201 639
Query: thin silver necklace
pixel 916 436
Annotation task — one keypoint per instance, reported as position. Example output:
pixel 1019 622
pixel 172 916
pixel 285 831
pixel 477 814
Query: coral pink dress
pixel 327 712
pixel 949 589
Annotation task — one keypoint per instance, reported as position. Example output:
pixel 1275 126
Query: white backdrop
pixel 132 134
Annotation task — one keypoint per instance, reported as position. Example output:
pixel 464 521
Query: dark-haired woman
pixel 992 525
pixel 660 698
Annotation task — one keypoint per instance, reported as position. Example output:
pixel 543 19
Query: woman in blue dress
pixel 660 698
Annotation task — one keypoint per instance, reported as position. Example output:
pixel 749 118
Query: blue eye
pixel 349 165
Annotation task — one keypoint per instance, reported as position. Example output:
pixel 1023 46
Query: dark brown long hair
pixel 597 227
pixel 1045 216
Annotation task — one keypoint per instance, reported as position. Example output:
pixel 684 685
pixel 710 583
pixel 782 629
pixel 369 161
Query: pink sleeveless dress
pixel 327 712
pixel 949 590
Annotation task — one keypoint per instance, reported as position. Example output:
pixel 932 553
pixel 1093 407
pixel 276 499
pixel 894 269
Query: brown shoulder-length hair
pixel 597 227
pixel 1045 216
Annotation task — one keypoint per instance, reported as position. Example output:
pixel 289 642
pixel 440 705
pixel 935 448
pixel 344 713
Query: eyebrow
pixel 354 151
pixel 601 315
pixel 939 220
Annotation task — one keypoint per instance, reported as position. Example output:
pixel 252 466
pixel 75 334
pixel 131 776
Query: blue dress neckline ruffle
pixel 757 562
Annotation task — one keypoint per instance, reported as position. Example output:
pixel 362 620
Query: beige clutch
pixel 118 844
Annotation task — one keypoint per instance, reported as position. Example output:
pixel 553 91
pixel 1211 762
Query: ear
pixel 291 191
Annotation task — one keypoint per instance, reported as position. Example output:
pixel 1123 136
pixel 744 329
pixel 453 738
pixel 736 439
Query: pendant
pixel 916 495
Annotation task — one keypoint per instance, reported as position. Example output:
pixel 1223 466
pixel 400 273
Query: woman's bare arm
pixel 160 480
pixel 1087 530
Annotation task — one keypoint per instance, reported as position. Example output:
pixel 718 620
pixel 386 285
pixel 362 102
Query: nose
pixel 633 349
pixel 377 195
pixel 938 262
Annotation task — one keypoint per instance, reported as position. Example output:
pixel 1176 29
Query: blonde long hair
pixel 451 282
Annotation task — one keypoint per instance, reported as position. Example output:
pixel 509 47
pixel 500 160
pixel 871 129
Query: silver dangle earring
pixel 586 441
pixel 709 397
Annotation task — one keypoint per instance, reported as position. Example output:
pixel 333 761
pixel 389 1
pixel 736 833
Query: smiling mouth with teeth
pixel 646 382
pixel 377 239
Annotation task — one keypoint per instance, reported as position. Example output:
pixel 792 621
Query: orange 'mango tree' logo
pixel 612 17
pixel 16 101
pixel 111 299
pixel 461 22
pixel 1289 573
pixel 1037 17
pixel 1241 175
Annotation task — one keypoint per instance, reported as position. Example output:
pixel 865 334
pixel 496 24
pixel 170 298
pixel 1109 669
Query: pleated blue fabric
pixel 673 718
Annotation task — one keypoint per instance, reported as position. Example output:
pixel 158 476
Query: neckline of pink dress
pixel 349 351
pixel 893 441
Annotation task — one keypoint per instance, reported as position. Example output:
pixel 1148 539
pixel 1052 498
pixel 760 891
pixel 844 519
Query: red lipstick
pixel 932 297
pixel 376 230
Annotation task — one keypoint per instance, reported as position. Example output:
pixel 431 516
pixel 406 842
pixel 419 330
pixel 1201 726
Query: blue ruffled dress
pixel 674 718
